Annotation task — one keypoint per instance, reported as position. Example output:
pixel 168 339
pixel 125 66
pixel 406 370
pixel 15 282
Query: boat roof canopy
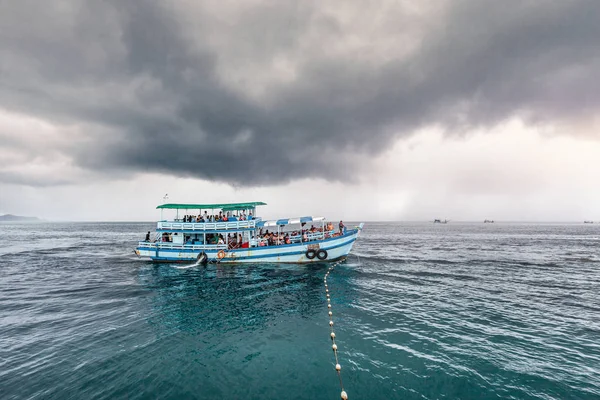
pixel 223 206
pixel 288 221
pixel 235 207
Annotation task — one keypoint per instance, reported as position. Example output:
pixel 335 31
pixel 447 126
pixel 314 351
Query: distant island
pixel 17 218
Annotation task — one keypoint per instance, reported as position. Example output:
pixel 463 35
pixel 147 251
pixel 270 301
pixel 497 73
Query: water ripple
pixel 423 311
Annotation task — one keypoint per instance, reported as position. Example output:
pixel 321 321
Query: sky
pixel 398 110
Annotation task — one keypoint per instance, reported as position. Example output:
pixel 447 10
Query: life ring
pixel 322 254
pixel 310 254
pixel 202 258
pixel 221 254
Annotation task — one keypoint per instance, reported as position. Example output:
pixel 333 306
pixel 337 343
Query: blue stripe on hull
pixel 185 260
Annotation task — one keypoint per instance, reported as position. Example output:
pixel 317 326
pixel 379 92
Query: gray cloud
pixel 280 91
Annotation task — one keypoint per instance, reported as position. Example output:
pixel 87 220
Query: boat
pixel 488 221
pixel 234 233
pixel 440 221
pixel 588 222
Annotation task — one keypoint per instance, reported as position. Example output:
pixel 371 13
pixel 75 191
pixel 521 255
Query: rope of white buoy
pixel 338 367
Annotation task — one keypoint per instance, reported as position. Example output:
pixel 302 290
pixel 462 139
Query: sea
pixel 420 311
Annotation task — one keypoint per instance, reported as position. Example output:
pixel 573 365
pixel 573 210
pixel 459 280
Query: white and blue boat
pixel 233 233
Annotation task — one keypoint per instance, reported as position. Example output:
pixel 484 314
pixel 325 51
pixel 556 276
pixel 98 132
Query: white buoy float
pixel 338 367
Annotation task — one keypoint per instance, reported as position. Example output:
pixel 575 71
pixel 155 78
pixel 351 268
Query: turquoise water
pixel 422 311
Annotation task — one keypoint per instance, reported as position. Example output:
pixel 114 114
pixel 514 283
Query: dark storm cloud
pixel 281 91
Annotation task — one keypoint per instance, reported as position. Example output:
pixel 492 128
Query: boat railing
pixel 313 236
pixel 310 237
pixel 170 245
pixel 205 226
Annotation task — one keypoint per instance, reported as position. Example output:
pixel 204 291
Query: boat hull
pixel 337 248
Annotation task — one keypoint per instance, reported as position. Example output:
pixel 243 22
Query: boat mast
pixel 165 198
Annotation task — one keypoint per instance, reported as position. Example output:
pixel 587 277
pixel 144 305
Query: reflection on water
pixel 235 298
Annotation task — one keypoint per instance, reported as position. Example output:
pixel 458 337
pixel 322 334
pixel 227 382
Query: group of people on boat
pixel 273 239
pixel 304 235
pixel 166 237
pixel 221 217
pixel 263 239
pixel 234 241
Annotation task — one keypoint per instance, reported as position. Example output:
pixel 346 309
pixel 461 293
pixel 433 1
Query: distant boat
pixel 588 222
pixel 439 221
pixel 488 221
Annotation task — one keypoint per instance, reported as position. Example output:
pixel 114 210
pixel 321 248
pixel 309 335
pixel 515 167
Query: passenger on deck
pixel 342 228
pixel 205 216
pixel 148 236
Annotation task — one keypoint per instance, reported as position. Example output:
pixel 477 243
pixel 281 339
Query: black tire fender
pixel 322 254
pixel 310 254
